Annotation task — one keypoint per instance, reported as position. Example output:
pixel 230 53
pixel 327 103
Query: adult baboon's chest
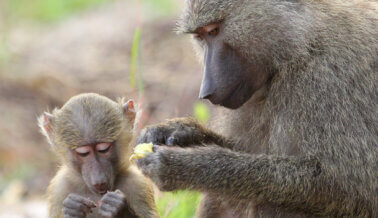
pixel 257 131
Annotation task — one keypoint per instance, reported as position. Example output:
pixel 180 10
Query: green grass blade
pixel 135 75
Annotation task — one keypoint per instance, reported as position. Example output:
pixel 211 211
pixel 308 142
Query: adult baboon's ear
pixel 129 110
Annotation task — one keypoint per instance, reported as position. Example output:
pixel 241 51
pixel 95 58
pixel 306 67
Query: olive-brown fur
pixel 305 144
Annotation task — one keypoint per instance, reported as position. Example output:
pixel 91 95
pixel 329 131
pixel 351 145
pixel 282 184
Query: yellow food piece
pixel 141 150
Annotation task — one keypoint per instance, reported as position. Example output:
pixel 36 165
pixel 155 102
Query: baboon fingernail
pixel 170 141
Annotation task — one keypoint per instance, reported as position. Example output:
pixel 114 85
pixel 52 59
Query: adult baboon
pixel 298 136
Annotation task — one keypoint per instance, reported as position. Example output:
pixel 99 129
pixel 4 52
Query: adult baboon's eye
pixel 213 32
pixel 103 147
pixel 83 151
pixel 197 36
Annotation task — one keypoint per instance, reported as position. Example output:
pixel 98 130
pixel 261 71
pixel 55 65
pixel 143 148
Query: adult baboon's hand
pixel 162 167
pixel 183 132
pixel 197 168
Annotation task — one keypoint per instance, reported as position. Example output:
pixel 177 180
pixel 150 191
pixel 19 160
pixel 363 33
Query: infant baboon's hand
pixel 183 132
pixel 111 204
pixel 76 206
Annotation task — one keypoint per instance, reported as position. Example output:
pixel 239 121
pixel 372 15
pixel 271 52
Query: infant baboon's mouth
pixel 101 189
pixel 101 192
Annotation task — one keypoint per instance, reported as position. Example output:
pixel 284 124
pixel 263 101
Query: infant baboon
pixel 92 136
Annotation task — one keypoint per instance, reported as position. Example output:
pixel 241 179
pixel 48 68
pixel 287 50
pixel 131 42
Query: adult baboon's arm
pixel 293 182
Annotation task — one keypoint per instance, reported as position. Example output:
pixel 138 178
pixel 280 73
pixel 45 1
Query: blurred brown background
pixel 46 60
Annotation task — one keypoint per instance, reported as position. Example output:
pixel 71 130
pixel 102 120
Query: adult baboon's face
pixel 229 79
pixel 244 43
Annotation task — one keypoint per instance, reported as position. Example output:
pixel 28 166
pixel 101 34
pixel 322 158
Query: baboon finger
pixel 105 214
pixel 72 213
pixel 75 201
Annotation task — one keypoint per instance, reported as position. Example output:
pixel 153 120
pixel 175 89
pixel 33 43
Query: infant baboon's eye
pixel 83 151
pixel 103 147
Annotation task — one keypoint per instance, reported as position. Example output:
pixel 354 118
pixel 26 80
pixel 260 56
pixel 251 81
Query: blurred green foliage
pixel 201 112
pixel 21 172
pixel 53 10
pixel 178 204
pixel 47 10
pixel 4 51
pixel 160 8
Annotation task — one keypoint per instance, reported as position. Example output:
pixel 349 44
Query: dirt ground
pixel 89 52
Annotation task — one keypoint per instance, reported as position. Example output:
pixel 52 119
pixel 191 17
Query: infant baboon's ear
pixel 45 123
pixel 129 110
